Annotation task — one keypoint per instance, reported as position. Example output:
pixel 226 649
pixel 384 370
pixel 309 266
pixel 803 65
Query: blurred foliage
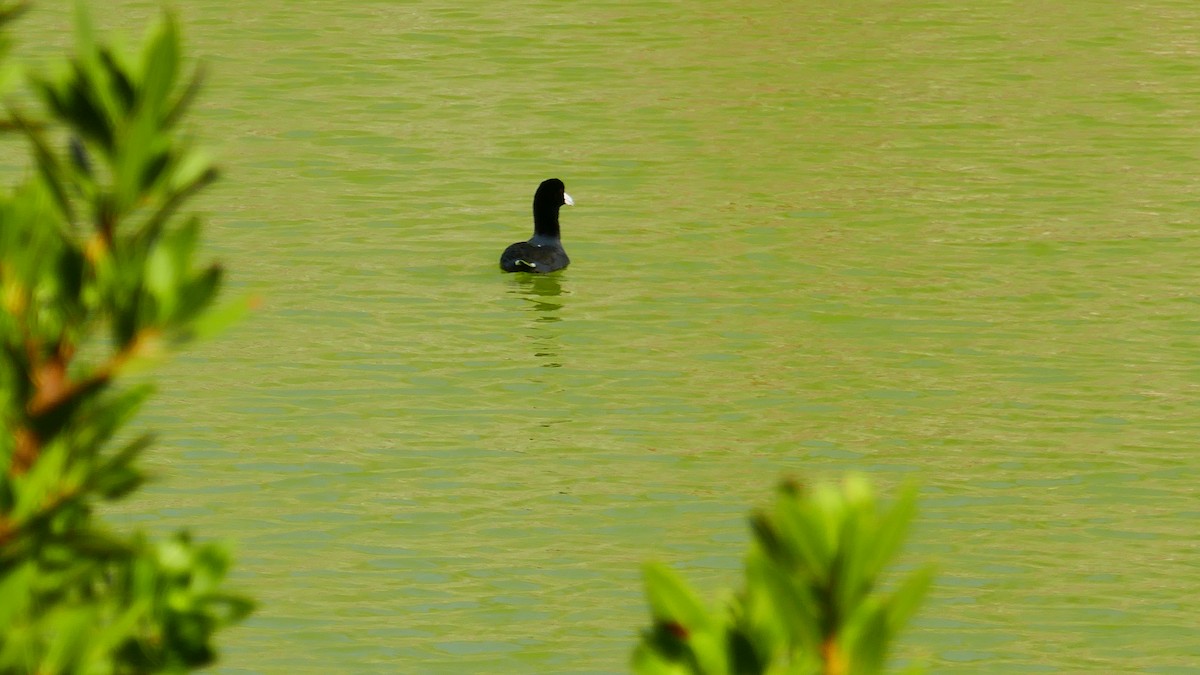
pixel 811 601
pixel 96 274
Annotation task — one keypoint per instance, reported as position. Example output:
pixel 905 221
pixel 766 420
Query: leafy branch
pixel 96 274
pixel 811 601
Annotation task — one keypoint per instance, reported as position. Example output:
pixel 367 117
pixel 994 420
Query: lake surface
pixel 946 242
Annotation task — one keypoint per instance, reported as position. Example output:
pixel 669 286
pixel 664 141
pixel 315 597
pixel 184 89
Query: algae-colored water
pixel 940 241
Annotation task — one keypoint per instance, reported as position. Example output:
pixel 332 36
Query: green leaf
pixel 93 89
pixel 682 624
pixel 198 293
pixel 160 66
pixel 69 640
pixel 848 580
pixel 115 632
pixel 892 529
pixel 867 642
pixel 131 451
pixel 216 321
pixel 786 603
pixel 671 599
pixel 803 534
pixel 184 100
pixel 227 608
pixel 85 34
pixel 16 591
pixel 178 192
pixel 116 482
pixel 649 660
pixel 36 488
pixel 162 279
pixel 905 600
pixel 135 148
pixel 120 80
pixel 117 477
pixel 182 243
pixel 48 165
pixel 104 420
pixel 193 171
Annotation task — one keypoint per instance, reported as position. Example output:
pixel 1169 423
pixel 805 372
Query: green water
pixel 941 241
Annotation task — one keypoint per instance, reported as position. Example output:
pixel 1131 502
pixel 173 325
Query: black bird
pixel 543 252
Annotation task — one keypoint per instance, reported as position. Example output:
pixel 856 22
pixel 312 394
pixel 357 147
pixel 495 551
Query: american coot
pixel 543 252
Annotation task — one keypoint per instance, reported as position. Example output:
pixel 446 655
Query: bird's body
pixel 543 252
pixel 530 256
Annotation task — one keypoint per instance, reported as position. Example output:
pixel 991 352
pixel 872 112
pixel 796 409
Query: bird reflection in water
pixel 544 293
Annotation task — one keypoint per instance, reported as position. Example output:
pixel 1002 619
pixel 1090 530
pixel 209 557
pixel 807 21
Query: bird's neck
pixel 545 223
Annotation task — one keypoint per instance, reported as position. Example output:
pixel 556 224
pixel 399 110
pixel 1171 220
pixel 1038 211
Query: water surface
pixel 946 242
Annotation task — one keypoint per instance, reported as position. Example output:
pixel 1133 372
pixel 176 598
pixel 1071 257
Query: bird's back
pixel 526 257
